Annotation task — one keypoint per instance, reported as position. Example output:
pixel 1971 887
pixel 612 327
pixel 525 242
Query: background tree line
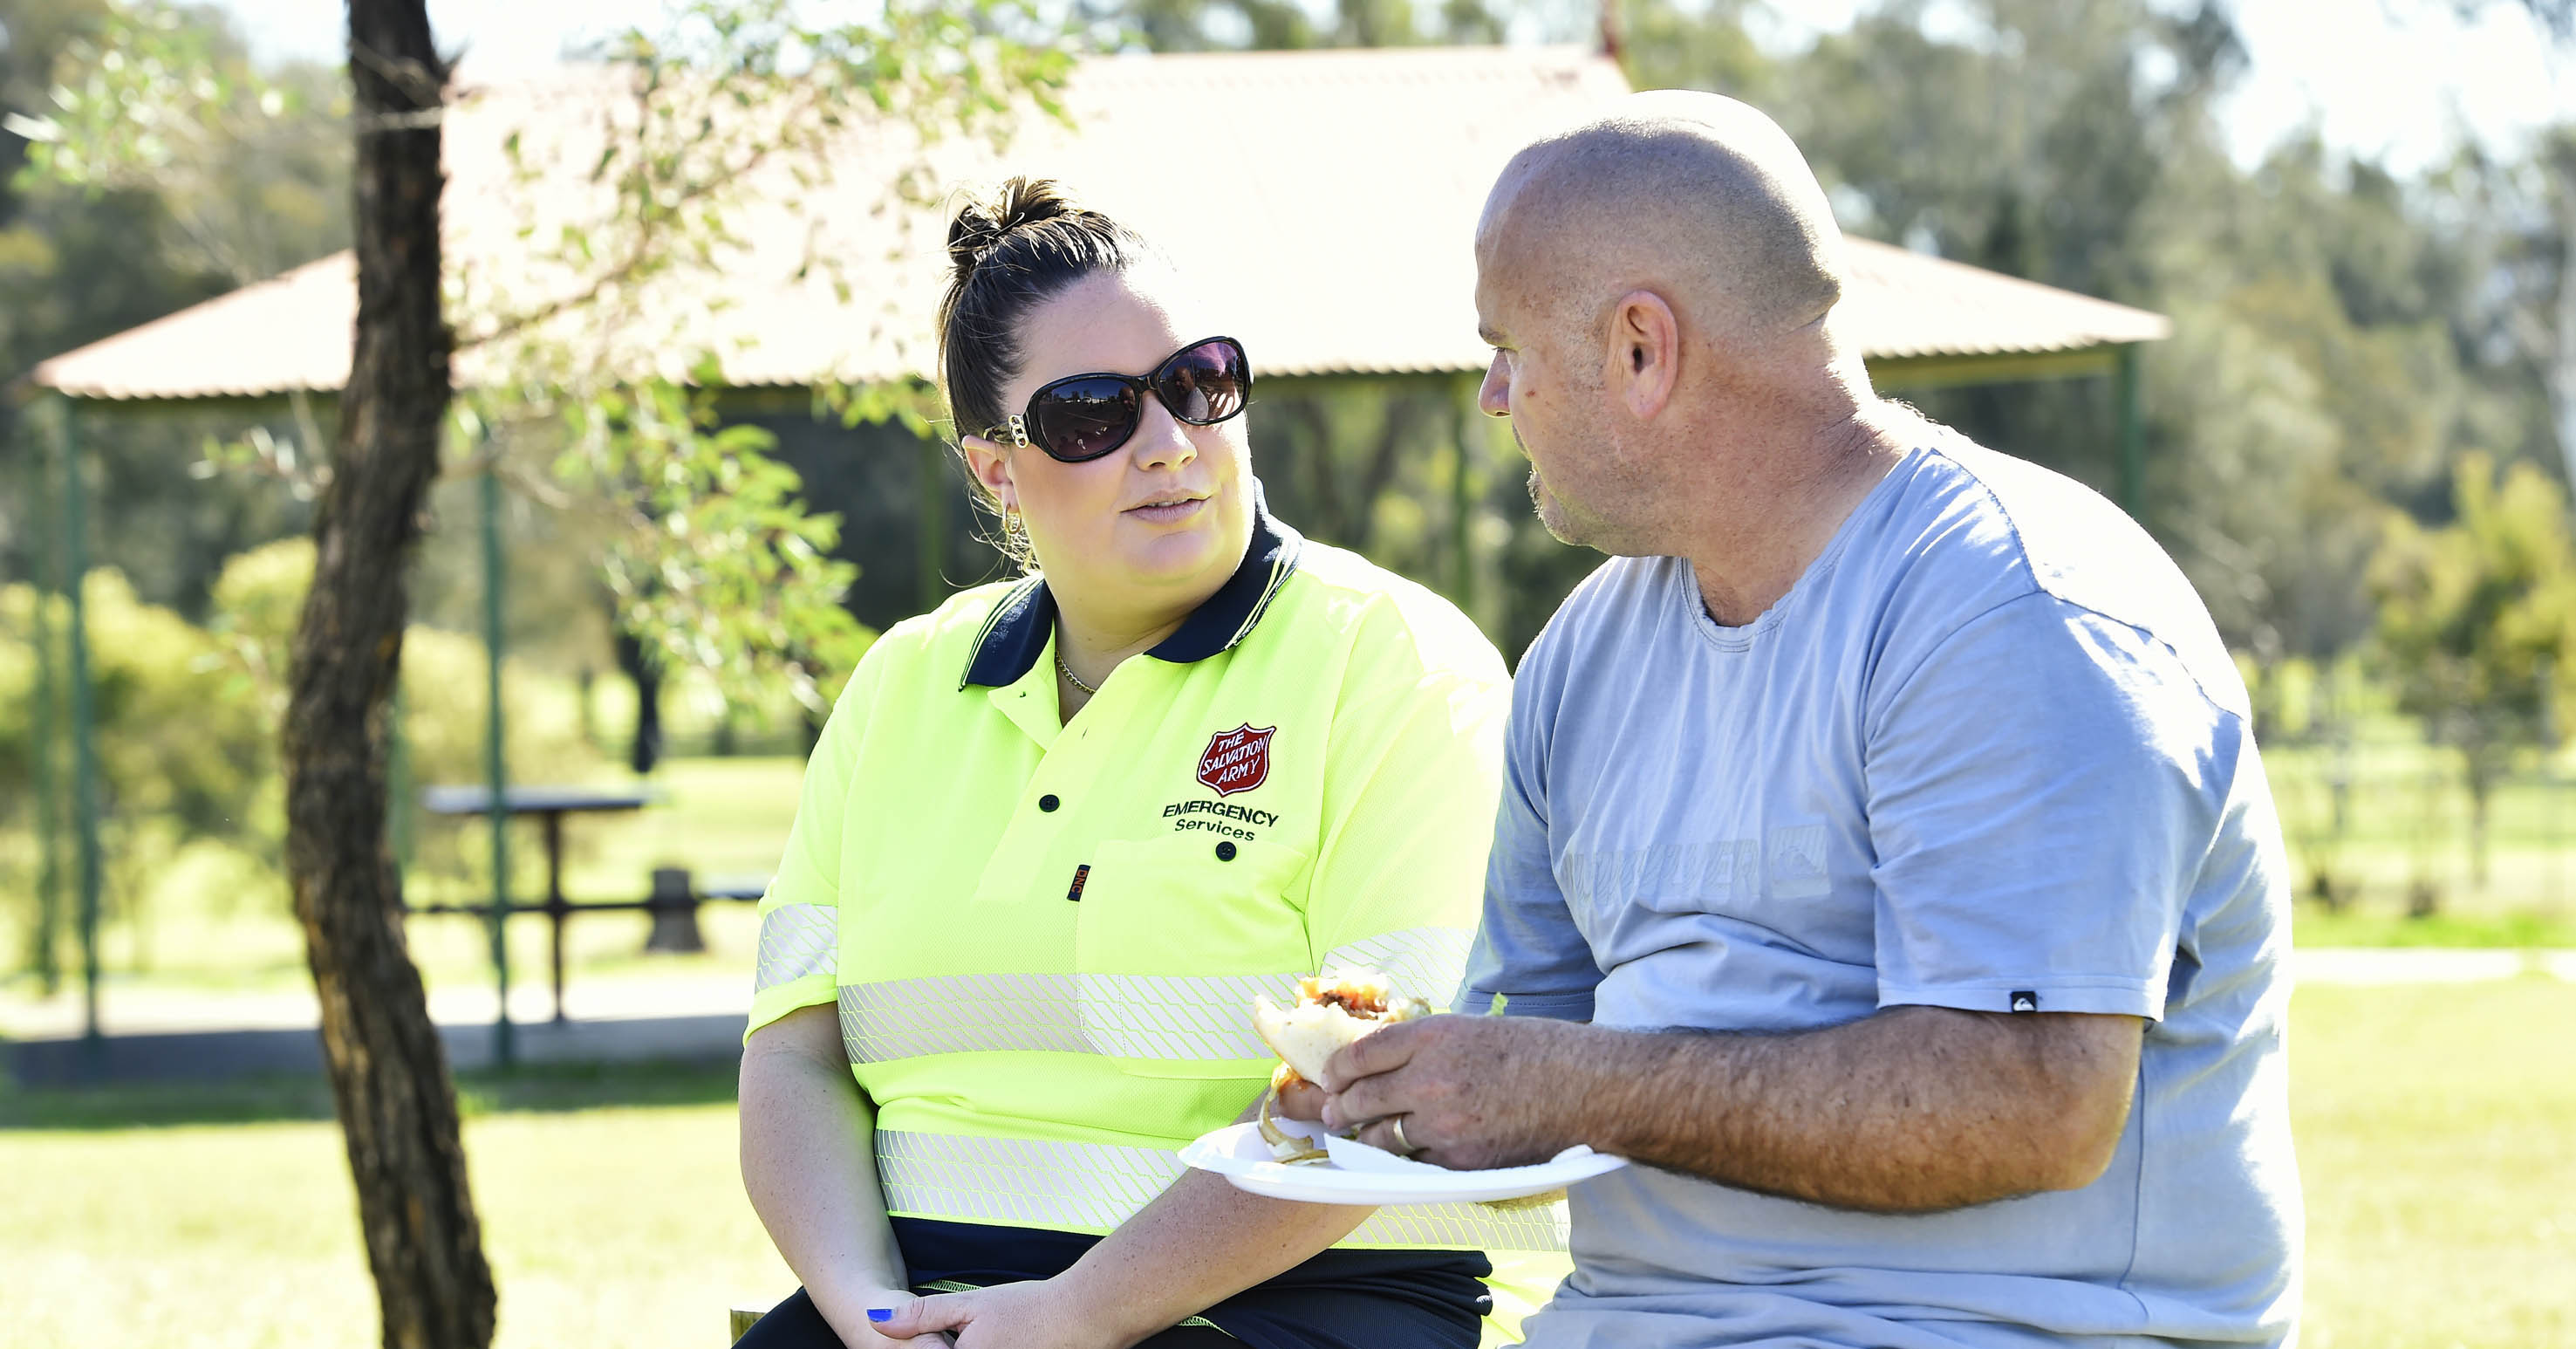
pixel 2359 431
pixel 2352 345
pixel 2343 335
pixel 2363 428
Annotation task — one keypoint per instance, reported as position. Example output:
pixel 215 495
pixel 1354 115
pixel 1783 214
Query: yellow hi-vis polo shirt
pixel 1044 937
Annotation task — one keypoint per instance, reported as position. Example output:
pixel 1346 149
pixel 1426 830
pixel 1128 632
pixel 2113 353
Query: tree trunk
pixel 388 1070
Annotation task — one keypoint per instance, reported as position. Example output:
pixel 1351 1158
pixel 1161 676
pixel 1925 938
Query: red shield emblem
pixel 1237 760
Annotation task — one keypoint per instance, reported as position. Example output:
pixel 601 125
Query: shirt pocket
pixel 1173 939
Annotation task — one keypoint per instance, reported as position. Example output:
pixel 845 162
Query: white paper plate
pixel 1360 1174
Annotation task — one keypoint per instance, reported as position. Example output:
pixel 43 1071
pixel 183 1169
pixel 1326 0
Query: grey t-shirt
pixel 1989 753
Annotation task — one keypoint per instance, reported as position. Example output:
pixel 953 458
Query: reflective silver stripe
pixel 1420 962
pixel 1017 1181
pixel 1136 1016
pixel 1155 1016
pixel 958 1014
pixel 1096 1186
pixel 796 940
pixel 1480 1226
pixel 1143 1016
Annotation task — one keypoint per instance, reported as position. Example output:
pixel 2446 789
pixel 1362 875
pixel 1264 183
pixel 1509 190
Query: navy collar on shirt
pixel 1015 634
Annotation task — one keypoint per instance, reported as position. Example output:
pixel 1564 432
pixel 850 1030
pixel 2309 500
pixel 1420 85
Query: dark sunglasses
pixel 1082 417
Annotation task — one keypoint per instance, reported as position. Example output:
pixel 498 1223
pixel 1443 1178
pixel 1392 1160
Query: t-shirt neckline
pixel 1744 636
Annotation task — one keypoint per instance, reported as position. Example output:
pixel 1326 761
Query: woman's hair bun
pixel 981 223
pixel 1008 252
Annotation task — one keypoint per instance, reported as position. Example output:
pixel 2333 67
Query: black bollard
pixel 675 914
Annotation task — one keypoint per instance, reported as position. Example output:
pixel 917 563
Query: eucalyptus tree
pixel 723 563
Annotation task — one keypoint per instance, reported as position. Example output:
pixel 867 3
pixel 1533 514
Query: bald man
pixel 1884 865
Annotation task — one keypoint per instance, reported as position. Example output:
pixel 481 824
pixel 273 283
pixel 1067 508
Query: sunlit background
pixel 2348 228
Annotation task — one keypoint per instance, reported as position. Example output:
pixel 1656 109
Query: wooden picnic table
pixel 549 805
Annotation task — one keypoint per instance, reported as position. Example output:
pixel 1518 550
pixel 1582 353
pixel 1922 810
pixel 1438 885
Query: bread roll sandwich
pixel 1332 1009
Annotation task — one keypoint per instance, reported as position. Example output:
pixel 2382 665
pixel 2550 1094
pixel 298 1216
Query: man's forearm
pixel 1911 1110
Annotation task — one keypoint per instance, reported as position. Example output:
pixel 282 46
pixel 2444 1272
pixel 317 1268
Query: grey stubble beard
pixel 1555 522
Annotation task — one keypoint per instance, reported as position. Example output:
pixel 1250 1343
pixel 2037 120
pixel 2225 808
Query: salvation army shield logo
pixel 1237 760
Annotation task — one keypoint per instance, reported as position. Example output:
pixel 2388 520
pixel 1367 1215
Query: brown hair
pixel 1009 253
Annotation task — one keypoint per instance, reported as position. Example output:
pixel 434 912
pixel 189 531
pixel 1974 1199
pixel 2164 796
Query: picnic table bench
pixel 673 899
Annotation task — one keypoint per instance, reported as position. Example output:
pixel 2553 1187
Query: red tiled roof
pixel 1328 198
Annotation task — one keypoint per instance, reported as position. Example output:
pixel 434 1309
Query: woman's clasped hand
pixel 1039 1314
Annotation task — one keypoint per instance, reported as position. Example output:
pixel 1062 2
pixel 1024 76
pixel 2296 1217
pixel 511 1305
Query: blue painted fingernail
pixel 880 1313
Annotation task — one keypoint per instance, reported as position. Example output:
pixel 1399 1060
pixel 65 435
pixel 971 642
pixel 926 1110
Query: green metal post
pixel 47 955
pixel 399 805
pixel 933 538
pixel 1462 541
pixel 2133 434
pixel 84 722
pixel 496 765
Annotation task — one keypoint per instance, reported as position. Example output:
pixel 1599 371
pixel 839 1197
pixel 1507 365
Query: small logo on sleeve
pixel 1237 760
pixel 2023 1000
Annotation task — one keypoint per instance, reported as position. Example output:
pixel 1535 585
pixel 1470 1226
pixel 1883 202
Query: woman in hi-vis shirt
pixel 1059 833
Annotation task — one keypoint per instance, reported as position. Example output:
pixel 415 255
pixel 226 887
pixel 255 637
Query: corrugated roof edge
pixel 106 370
pixel 67 373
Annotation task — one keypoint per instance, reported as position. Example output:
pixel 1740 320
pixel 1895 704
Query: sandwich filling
pixel 1333 1009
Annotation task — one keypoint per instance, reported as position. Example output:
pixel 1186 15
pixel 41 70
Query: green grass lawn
pixel 608 1224
pixel 2436 1126
pixel 2437 1142
pixel 2405 817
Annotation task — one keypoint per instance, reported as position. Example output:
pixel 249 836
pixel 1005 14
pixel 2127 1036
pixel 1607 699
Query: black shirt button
pixel 1048 802
pixel 1225 852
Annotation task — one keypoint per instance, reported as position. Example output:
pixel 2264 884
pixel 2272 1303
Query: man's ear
pixel 991 465
pixel 1645 352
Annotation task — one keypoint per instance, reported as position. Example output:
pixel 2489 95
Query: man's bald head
pixel 1659 287
pixel 1696 197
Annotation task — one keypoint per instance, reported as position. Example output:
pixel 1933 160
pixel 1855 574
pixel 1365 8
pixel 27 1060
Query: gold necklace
pixel 1067 672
